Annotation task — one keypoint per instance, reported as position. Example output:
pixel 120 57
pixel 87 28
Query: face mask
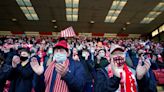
pixel 22 58
pixel 32 51
pixel 50 52
pixel 6 51
pixel 120 59
pixel 83 54
pixel 102 54
pixel 59 57
pixel 92 50
pixel 147 47
pixel 78 48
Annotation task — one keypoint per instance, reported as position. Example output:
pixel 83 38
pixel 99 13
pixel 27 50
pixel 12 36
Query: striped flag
pixel 68 32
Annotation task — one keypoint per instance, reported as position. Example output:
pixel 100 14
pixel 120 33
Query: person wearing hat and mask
pixel 128 75
pixel 119 68
pixel 118 58
pixel 64 74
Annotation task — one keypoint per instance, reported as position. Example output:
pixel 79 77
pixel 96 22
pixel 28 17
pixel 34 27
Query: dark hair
pixel 59 47
pixel 102 49
pixel 85 50
pixel 62 38
pixel 25 50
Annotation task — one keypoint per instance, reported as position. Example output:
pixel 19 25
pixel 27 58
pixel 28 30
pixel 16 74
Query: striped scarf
pixel 43 55
pixel 60 85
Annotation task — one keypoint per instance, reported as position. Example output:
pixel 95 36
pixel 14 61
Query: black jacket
pixel 105 84
pixel 4 74
pixel 6 68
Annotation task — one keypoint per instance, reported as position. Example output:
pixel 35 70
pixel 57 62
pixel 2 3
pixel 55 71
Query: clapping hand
pixel 38 69
pixel 15 61
pixel 141 70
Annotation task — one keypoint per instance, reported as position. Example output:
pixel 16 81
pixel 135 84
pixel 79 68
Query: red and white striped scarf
pixel 60 85
pixel 127 85
pixel 129 81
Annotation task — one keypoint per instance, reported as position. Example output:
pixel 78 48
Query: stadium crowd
pixel 79 64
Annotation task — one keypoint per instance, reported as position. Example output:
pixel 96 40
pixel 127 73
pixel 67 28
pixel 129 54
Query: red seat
pixel 159 75
pixel 160 81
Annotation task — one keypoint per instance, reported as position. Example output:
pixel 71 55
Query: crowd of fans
pixel 79 64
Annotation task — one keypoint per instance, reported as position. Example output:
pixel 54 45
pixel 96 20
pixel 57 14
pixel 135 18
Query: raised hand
pixel 38 69
pixel 15 61
pixel 87 55
pixel 61 68
pixel 141 70
pixel 98 57
pixel 76 58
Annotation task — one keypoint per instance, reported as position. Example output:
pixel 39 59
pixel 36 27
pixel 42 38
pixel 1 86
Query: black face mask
pixel 22 58
pixel 32 51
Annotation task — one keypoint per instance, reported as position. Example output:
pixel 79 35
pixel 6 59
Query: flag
pixel 68 32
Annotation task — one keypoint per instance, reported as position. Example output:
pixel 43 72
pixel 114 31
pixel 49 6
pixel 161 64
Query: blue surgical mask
pixel 102 54
pixel 50 52
pixel 60 57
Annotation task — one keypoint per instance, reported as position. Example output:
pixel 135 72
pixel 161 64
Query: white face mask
pixel 92 50
pixel 79 48
pixel 102 54
pixel 6 51
pixel 147 47
pixel 60 57
pixel 83 54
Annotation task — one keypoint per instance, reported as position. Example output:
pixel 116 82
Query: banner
pixel 97 34
pixel 68 32
pixel 85 34
pixel 110 35
pixel 56 34
pixel 45 33
pixel 134 35
pixel 32 33
pixel 5 33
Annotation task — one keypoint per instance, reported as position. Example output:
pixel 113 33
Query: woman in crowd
pixel 22 72
pixel 88 65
